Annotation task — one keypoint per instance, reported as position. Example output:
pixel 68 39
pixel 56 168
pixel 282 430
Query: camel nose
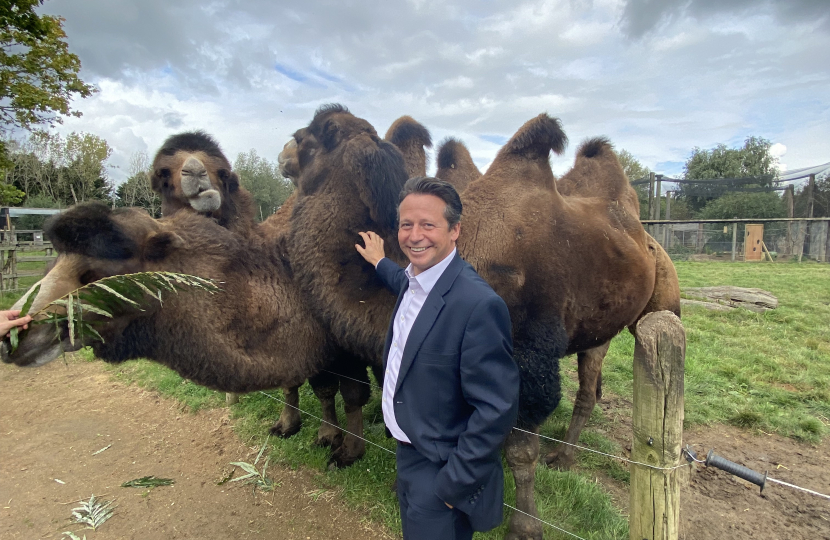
pixel 194 177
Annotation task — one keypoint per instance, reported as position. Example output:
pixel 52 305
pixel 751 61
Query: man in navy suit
pixel 451 387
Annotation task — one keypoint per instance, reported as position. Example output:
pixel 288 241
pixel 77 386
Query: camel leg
pixel 355 394
pixel 290 420
pixel 522 452
pixel 589 368
pixel 325 387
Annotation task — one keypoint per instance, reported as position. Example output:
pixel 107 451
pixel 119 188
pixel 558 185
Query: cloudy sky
pixel 658 77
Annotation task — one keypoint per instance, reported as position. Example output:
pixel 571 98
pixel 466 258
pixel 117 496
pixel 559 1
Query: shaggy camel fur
pixel 599 278
pixel 247 337
pixel 456 166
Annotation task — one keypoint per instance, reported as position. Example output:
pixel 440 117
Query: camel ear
pixel 158 246
pixel 330 135
pixel 88 229
pixel 382 174
pixel 231 181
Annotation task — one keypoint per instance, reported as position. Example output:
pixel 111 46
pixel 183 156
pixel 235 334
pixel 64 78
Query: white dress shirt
pixel 411 304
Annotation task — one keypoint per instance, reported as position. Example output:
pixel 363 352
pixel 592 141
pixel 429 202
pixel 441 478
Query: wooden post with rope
pixel 659 363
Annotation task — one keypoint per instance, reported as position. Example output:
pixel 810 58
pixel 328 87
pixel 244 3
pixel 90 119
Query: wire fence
pixel 744 240
pixel 686 459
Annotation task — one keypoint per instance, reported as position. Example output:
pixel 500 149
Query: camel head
pixel 190 171
pixel 338 150
pixel 287 161
pixel 94 242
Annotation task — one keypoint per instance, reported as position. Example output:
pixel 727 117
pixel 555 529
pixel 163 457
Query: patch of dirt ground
pixel 717 505
pixel 56 417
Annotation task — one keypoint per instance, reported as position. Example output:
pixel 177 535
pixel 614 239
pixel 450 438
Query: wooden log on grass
pixel 659 363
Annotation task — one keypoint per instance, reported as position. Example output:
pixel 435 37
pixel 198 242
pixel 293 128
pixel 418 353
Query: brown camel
pixel 456 166
pixel 599 277
pixel 256 334
pixel 191 173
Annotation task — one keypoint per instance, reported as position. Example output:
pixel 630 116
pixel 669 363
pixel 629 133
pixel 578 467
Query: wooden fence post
pixel 669 232
pixel 734 240
pixel 827 241
pixel 788 197
pixel 659 363
pixel 657 206
pixel 231 398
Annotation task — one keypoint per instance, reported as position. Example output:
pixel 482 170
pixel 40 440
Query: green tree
pixel 745 205
pixel 632 167
pixel 821 198
pixel 38 74
pixel 34 222
pixel 751 160
pixel 86 173
pixel 67 171
pixel 137 191
pixel 635 170
pixel 263 179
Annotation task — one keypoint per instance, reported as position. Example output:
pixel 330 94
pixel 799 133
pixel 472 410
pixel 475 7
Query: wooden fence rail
pixel 13 253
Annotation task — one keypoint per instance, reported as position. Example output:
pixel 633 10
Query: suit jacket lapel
pixel 427 316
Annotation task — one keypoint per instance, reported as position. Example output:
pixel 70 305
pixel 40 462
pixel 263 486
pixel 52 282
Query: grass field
pixel 767 371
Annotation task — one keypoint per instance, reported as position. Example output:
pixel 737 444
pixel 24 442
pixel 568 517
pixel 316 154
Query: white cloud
pixel 252 73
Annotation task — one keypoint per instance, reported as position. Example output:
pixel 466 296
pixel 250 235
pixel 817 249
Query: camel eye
pixel 88 277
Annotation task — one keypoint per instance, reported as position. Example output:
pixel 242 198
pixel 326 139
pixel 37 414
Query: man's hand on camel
pixel 11 318
pixel 373 252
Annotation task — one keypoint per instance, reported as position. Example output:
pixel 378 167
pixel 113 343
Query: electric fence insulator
pixel 740 471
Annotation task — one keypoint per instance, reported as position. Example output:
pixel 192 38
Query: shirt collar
pixel 429 277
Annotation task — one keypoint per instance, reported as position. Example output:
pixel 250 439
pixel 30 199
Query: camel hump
pixel 455 164
pixel 596 147
pixel 597 173
pixel 411 138
pixel 406 131
pixel 537 138
pixel 452 153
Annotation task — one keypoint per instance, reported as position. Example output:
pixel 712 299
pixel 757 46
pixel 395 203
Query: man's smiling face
pixel 424 233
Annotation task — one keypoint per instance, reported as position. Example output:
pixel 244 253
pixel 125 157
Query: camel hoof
pixel 524 528
pixel 522 536
pixel 559 460
pixel 340 459
pixel 285 431
pixel 330 440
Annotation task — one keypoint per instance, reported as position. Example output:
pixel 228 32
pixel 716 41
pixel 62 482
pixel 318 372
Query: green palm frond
pixel 254 477
pixel 93 513
pixel 148 481
pixel 105 296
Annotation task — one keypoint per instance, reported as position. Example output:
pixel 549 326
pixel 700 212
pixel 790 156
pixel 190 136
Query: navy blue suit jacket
pixel 457 393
